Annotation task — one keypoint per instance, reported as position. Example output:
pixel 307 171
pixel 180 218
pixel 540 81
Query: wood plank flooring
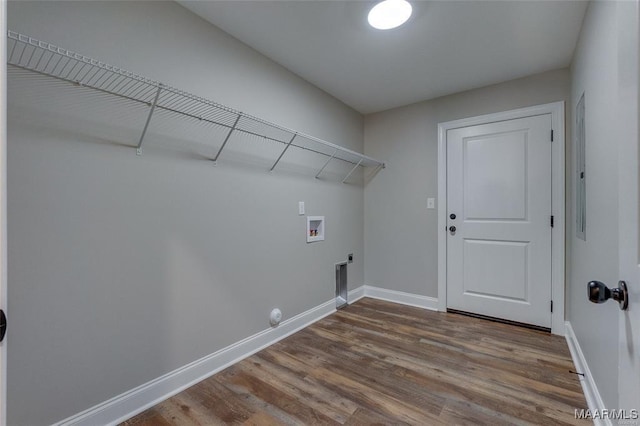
pixel 377 362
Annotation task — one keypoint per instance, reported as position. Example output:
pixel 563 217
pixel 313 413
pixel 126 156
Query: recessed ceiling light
pixel 389 14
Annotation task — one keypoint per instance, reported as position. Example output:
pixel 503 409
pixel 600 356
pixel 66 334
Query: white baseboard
pixel 355 294
pixel 410 299
pixel 591 394
pixel 135 401
pixel 130 403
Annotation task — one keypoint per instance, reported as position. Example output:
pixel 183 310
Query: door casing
pixel 628 139
pixel 556 109
pixel 3 206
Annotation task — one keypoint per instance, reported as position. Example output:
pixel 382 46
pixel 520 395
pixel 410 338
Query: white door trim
pixel 556 109
pixel 3 205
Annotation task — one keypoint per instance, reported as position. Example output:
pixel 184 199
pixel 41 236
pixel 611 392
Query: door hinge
pixel 552 221
pixel 551 135
pixel 552 306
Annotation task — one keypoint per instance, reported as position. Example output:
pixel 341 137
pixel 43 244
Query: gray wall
pixel 594 72
pixel 401 244
pixel 123 268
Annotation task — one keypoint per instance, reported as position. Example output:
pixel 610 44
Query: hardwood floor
pixel 381 363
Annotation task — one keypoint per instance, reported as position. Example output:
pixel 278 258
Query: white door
pixel 628 202
pixel 499 201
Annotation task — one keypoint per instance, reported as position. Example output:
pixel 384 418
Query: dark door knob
pixel 600 293
pixel 3 325
pixel 452 229
pixel 452 216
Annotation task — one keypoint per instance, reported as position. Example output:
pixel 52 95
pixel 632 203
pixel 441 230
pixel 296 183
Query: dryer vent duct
pixel 341 285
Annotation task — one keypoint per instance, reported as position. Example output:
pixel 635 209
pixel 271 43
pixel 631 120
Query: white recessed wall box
pixel 315 228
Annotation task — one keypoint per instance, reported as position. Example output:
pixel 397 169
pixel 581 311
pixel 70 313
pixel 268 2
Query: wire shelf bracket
pixel 226 139
pixel 351 172
pixel 46 59
pixel 326 164
pixel 146 124
pixel 283 151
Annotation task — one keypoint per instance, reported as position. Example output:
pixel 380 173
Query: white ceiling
pixel 446 47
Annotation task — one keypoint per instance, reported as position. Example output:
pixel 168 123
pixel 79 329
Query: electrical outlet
pixel 350 257
pixel 431 203
pixel 300 208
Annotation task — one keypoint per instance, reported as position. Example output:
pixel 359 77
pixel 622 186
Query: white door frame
pixel 556 109
pixel 3 204
pixel 628 131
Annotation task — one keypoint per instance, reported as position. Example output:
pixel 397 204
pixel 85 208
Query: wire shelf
pixel 46 59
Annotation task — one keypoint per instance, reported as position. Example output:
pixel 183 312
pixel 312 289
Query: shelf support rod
pixel 352 170
pixel 376 170
pixel 146 125
pixel 327 163
pixel 282 153
pixel 226 139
